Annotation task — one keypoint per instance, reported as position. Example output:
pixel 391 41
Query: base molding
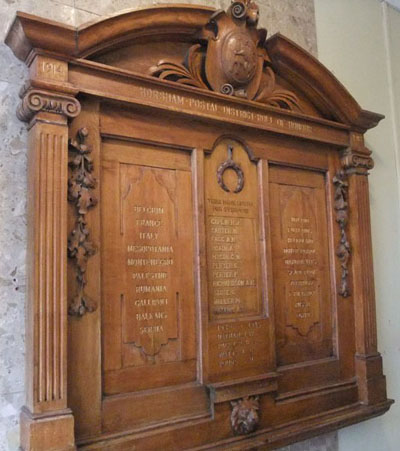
pixel 370 379
pixel 47 432
pixel 307 428
pixel 264 439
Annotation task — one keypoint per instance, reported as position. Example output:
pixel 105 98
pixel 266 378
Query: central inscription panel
pixel 237 332
pixel 232 233
pixel 232 251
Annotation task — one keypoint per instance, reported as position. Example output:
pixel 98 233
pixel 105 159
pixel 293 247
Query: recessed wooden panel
pixel 301 271
pixel 148 292
pixel 232 233
pixel 237 330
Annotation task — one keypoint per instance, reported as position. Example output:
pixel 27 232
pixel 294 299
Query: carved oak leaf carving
pixel 343 251
pixel 80 248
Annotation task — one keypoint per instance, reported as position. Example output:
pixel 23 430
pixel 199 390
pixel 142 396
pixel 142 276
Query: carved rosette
pixel 244 416
pixel 342 215
pixel 231 59
pixel 80 193
pixel 35 101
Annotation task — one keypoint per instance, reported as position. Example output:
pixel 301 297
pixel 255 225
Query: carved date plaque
pixel 210 188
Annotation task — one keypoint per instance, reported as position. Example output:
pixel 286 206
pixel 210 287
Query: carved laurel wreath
pixel 343 251
pixel 244 416
pixel 230 164
pixel 80 248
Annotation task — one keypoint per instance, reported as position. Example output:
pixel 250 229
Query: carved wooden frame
pixel 56 54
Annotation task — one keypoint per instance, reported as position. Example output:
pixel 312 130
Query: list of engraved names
pixel 300 258
pixel 233 288
pixel 150 260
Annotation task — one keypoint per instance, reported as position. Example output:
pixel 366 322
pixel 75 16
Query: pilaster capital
pixel 354 162
pixel 35 101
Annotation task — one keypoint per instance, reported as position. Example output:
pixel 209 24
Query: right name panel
pixel 302 289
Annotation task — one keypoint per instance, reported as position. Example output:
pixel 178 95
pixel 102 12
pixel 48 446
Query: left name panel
pixel 147 268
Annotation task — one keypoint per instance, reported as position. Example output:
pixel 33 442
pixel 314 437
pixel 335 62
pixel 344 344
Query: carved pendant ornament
pixel 244 416
pixel 231 59
pixel 80 248
pixel 230 164
pixel 342 215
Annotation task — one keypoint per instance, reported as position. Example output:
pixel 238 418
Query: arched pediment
pixel 312 78
pixel 191 45
pixel 92 38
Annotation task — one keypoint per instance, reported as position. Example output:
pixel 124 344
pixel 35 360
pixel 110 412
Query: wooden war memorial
pixel 199 253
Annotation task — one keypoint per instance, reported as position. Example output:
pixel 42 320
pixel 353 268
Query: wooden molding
pixel 311 77
pixel 46 422
pixel 26 32
pixel 357 162
pixel 55 432
pixel 47 267
pixel 159 23
pixel 35 101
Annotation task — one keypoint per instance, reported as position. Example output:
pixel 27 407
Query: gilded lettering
pixel 150 330
pixel 148 222
pixel 148 210
pixel 150 249
pixel 151 289
pixel 149 275
pixel 150 261
pixel 151 302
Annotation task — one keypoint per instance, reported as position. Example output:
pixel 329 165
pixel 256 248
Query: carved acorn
pixel 253 14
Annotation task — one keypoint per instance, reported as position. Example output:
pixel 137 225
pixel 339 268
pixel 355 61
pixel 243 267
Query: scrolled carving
pixel 239 10
pixel 231 59
pixel 35 100
pixel 230 164
pixel 343 251
pixel 359 163
pixel 271 95
pixel 244 416
pixel 227 89
pixel 80 192
pixel 188 73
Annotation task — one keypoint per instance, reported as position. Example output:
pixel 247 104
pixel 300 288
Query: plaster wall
pixel 359 40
